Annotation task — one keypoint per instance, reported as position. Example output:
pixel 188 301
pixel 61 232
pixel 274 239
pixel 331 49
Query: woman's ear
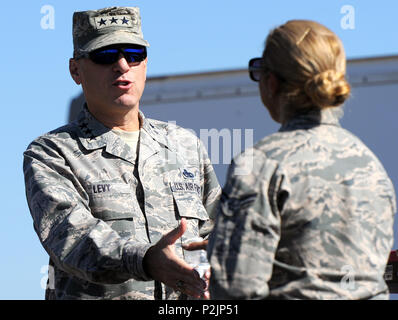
pixel 74 70
pixel 272 84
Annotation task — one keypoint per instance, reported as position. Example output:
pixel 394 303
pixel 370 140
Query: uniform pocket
pixel 114 204
pixel 191 208
pixel 189 205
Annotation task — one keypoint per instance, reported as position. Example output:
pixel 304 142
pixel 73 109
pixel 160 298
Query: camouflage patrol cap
pixel 95 29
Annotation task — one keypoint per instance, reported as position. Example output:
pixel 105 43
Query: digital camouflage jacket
pixel 97 209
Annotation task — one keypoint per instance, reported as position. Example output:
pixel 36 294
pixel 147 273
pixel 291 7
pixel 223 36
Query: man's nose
pixel 121 64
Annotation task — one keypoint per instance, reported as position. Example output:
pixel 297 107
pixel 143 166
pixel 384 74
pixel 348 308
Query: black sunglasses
pixel 255 68
pixel 111 55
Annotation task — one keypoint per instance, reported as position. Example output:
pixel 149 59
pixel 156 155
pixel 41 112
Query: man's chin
pixel 124 104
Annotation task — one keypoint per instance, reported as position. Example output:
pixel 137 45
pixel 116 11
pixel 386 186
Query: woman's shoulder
pixel 265 152
pixel 286 146
pixel 279 145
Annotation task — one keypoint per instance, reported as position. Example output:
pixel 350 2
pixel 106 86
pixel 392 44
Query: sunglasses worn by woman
pixel 257 68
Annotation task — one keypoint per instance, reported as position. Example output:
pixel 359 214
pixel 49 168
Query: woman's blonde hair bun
pixel 328 88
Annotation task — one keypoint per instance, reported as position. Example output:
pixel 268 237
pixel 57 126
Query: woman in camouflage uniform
pixel 307 213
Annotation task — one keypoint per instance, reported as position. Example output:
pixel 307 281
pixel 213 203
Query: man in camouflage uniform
pixel 111 214
pixel 307 213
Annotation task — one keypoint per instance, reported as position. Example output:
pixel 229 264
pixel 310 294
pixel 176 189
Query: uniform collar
pixel 94 135
pixel 155 132
pixel 313 118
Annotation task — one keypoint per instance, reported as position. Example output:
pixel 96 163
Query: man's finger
pixel 201 245
pixel 190 283
pixel 189 290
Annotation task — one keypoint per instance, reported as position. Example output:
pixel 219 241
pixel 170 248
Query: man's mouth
pixel 122 84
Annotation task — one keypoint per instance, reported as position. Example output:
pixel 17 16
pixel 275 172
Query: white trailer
pixel 229 103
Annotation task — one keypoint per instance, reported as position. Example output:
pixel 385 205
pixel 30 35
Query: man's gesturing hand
pixel 162 264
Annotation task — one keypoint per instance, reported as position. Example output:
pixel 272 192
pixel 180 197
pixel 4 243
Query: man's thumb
pixel 176 233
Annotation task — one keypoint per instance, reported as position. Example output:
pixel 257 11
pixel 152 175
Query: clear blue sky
pixel 185 36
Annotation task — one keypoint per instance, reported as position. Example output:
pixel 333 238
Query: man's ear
pixel 74 70
pixel 146 66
